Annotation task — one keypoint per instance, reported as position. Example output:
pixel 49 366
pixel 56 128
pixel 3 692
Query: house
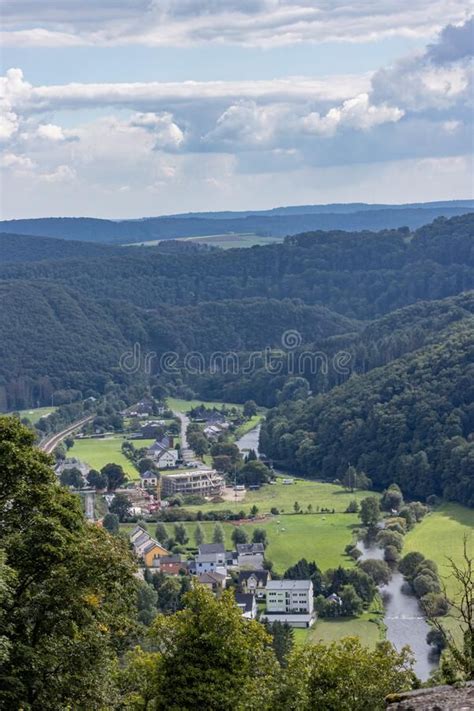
pixel 210 563
pixel 290 601
pixel 250 556
pixel 206 548
pixel 246 602
pixel 152 429
pixel 206 482
pixel 254 581
pixel 163 452
pixel 173 565
pixel 213 580
pixel 244 549
pixel 147 548
pixel 152 553
pixel 149 479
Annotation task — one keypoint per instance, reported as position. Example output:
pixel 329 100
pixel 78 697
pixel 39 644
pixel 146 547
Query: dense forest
pixel 398 305
pixel 409 422
pixel 361 275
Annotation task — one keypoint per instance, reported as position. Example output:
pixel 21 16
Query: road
pixel 52 441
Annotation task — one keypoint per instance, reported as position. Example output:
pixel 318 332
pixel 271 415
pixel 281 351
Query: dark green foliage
pixel 111 523
pixel 378 570
pixel 115 476
pixel 259 535
pixel 67 609
pixel 72 477
pixel 282 640
pixel 409 421
pixel 239 535
pixel 369 512
pixel 96 479
pixel 120 506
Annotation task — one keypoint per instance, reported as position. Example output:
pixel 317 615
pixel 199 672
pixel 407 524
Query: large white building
pixel 290 601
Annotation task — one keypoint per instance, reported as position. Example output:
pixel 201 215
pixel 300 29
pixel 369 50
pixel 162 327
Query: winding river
pixel 403 618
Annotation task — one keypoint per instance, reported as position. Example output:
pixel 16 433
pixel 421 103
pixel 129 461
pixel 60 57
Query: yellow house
pixel 152 554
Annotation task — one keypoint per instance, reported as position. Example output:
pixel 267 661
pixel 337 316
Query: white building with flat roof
pixel 290 601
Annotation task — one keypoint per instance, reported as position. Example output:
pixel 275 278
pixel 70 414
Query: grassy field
pixel 99 452
pixel 36 413
pixel 316 537
pixel 440 536
pixel 227 240
pixel 237 239
pixel 283 496
pixel 368 627
pixel 185 405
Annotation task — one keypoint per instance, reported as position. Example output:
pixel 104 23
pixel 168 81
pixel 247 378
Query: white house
pixel 290 601
pixel 211 563
pixel 247 604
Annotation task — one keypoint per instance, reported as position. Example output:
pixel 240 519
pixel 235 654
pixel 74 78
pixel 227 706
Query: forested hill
pixel 28 248
pixel 54 338
pixel 360 275
pixel 278 222
pixel 410 422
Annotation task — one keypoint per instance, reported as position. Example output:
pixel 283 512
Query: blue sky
pixel 123 108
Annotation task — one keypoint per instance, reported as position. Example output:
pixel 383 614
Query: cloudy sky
pixel 125 108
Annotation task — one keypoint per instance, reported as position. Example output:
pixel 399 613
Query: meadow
pixel 283 496
pixel 226 240
pixel 99 452
pixel 178 405
pixel 369 627
pixel 440 536
pixel 35 414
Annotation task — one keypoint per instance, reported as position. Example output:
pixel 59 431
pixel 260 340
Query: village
pixel 214 567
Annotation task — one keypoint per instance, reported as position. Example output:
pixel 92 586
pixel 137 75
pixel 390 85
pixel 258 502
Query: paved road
pixel 52 441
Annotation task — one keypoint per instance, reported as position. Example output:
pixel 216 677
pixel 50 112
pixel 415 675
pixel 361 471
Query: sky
pixel 132 108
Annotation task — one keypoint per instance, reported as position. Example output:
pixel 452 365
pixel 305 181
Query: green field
pixel 178 405
pixel 316 537
pixel 227 240
pixel 234 239
pixel 283 496
pixel 440 536
pixel 368 627
pixel 99 452
pixel 35 414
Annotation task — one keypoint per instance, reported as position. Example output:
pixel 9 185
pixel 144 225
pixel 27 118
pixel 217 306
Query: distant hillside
pixel 360 275
pixel 29 248
pixel 278 222
pixel 52 337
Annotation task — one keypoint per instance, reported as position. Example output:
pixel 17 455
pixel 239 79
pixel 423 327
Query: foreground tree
pixel 211 658
pixel 344 676
pixel 457 663
pixel 70 588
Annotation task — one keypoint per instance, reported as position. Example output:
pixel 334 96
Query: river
pixel 249 440
pixel 403 618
